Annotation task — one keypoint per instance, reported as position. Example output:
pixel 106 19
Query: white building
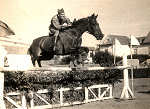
pixel 118 45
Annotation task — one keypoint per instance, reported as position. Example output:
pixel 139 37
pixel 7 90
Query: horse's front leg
pixel 73 62
pixel 80 62
pixel 83 54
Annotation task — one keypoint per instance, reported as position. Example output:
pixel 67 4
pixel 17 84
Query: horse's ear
pixel 93 15
pixel 74 20
pixel 96 16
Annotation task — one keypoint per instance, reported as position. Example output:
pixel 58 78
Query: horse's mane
pixel 79 21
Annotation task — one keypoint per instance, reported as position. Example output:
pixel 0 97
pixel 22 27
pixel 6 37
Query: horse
pixel 68 42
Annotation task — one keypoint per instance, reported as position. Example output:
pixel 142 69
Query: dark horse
pixel 68 42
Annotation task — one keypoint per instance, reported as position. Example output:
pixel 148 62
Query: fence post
pixel 111 95
pixel 24 103
pixel 99 92
pixel 86 95
pixel 32 100
pixel 2 104
pixel 61 97
pixel 126 89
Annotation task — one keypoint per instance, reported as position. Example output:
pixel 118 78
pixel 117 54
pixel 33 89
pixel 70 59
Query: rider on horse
pixel 58 22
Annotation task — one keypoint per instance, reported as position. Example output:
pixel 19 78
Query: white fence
pixel 103 92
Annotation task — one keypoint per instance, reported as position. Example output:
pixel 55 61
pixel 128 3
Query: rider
pixel 58 22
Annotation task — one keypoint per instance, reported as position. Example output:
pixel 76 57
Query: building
pixel 119 45
pixel 13 50
pixel 14 45
pixel 144 48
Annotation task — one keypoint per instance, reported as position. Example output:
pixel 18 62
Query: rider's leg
pixel 56 36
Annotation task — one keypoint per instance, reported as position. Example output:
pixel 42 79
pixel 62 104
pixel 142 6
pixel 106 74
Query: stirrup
pixel 73 48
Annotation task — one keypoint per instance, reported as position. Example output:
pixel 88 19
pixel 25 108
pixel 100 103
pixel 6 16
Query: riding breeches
pixel 54 32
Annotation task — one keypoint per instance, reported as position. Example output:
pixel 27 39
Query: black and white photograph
pixel 74 54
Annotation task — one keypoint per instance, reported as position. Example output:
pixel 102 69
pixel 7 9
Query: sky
pixel 30 18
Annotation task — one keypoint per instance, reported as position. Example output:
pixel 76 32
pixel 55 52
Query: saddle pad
pixel 47 43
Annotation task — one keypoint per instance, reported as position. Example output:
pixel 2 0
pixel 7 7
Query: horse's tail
pixel 29 51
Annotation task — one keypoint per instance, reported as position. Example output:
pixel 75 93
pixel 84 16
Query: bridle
pixel 89 30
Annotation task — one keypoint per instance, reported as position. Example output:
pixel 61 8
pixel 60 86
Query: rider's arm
pixel 56 24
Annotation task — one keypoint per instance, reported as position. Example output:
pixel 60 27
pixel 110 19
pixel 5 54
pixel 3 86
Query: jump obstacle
pixel 104 90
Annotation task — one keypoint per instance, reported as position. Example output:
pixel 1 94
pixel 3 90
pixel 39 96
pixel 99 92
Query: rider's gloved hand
pixel 63 27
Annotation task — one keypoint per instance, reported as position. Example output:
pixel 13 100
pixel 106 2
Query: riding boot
pixel 55 44
pixel 56 36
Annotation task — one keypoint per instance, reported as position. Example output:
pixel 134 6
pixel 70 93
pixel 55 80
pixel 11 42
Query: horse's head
pixel 93 27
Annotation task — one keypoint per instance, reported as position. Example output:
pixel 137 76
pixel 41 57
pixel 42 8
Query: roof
pixel 123 40
pixel 141 39
pixel 109 39
pixel 147 39
pixel 5 30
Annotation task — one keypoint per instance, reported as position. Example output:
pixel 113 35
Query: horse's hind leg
pixel 37 57
pixel 33 61
pixel 39 62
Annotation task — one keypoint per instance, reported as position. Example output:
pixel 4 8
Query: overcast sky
pixel 30 18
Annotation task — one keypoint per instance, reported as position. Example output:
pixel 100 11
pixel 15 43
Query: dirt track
pixel 141 92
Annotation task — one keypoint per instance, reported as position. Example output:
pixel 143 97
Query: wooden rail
pixel 5 69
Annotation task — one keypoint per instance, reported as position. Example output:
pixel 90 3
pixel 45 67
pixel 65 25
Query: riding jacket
pixel 57 24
